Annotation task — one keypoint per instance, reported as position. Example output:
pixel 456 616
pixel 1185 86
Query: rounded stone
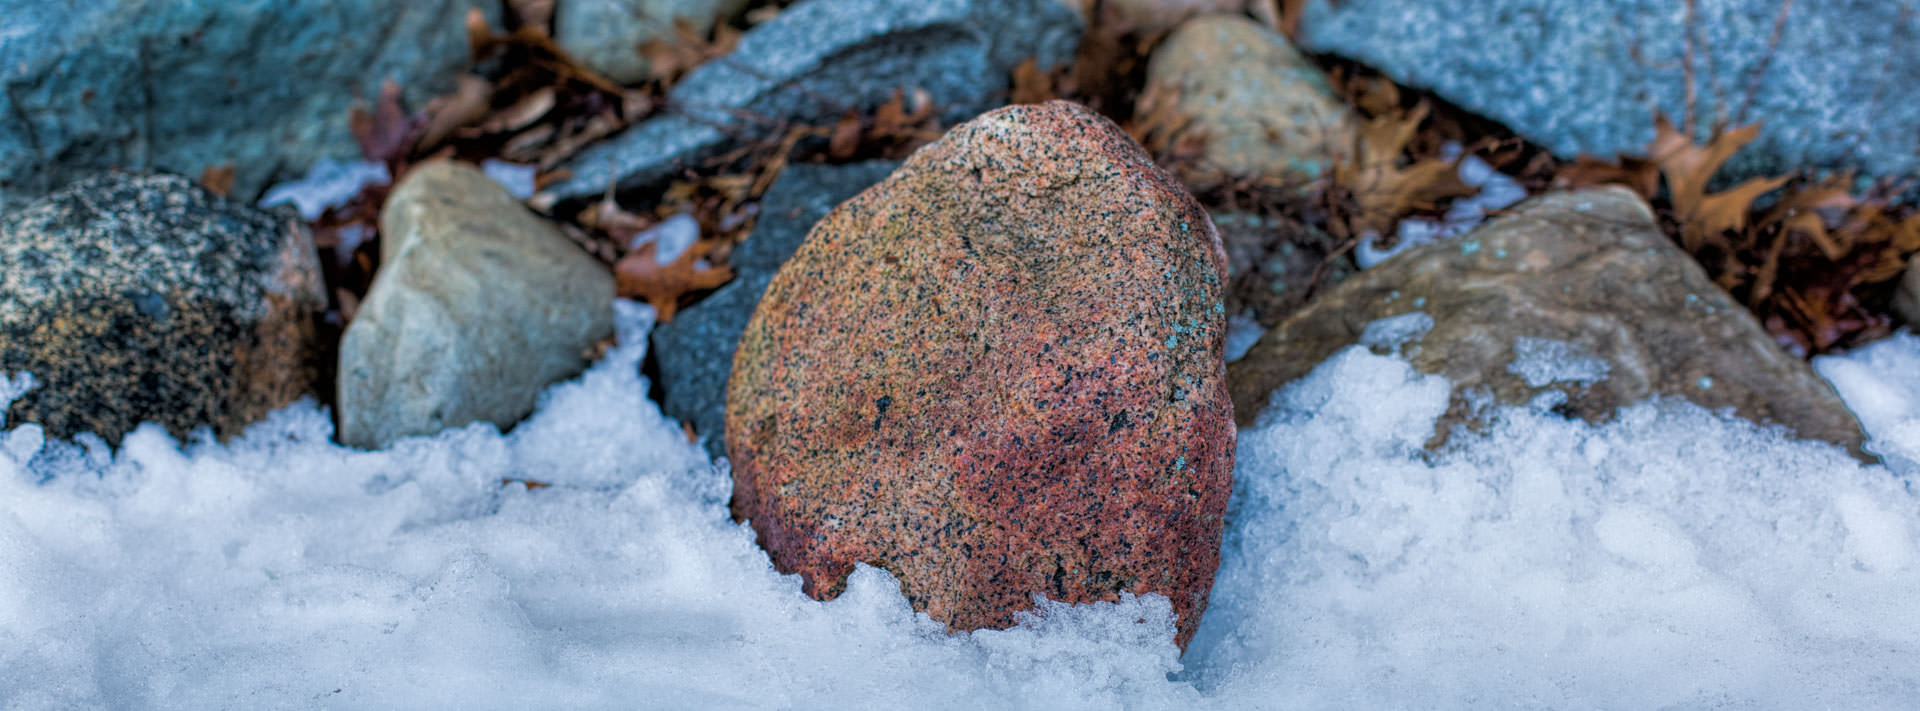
pixel 997 374
pixel 137 297
pixel 1263 109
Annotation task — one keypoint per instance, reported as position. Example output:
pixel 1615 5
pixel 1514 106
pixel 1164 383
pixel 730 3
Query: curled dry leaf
pixel 470 101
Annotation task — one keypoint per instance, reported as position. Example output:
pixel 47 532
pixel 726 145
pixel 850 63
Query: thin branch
pixel 1760 70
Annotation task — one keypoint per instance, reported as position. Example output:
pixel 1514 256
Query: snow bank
pixel 1669 558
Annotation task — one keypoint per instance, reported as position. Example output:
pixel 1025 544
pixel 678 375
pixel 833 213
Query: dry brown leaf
pixel 845 138
pixel 1724 212
pixel 471 98
pixel 528 109
pixel 218 179
pixel 607 216
pixel 639 275
pixel 1383 191
pixel 386 134
pixel 1640 176
pixel 1030 84
pixel 1688 166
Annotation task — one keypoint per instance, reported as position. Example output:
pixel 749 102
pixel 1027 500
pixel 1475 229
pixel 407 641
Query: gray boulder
pixel 695 350
pixel 820 59
pixel 135 298
pixel 1575 297
pixel 180 86
pixel 478 306
pixel 1585 76
pixel 607 34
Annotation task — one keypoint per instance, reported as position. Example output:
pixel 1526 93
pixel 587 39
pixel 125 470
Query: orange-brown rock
pixel 997 374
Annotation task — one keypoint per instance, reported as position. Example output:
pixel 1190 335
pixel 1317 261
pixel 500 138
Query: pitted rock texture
pixel 695 349
pixel 479 305
pixel 1262 108
pixel 996 374
pixel 143 297
pixel 1588 270
pixel 819 59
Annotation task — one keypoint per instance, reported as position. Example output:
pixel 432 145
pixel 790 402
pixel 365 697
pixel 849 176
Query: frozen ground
pixel 1670 558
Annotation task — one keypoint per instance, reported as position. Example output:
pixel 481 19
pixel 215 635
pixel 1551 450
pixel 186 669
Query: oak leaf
pixel 640 275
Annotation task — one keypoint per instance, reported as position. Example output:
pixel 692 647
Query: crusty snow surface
pixel 1671 558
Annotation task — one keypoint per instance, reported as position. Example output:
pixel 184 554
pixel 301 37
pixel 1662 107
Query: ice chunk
pixel 673 236
pixel 1545 361
pixel 516 178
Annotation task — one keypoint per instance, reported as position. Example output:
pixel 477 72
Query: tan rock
pixel 1263 108
pixel 478 306
pixel 1566 278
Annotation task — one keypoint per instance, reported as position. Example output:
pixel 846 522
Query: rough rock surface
pixel 695 349
pixel 996 374
pixel 1835 90
pixel 607 34
pixel 817 60
pixel 478 306
pixel 180 86
pixel 1263 109
pixel 143 297
pixel 1570 277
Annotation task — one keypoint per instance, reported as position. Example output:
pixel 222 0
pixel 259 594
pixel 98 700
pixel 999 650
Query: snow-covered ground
pixel 1671 558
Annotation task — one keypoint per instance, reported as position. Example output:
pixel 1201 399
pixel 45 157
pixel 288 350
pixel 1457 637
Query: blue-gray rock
pixel 144 298
pixel 695 350
pixel 1836 92
pixel 185 84
pixel 607 35
pixel 478 306
pixel 821 58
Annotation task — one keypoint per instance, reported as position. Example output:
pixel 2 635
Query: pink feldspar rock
pixel 997 374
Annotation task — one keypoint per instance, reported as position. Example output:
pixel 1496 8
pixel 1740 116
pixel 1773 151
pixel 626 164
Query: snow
pixel 328 183
pixel 1671 558
pixel 516 178
pixel 673 237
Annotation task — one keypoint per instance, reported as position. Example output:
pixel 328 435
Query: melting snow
pixel 1670 558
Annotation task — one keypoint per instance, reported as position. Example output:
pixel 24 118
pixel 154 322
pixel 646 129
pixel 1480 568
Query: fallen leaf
pixel 1382 191
pixel 218 179
pixel 468 103
pixel 639 275
pixel 386 134
pixel 1030 84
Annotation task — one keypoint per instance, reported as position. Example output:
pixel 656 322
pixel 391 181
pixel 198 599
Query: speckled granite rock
pixel 995 374
pixel 1580 277
pixel 695 350
pixel 477 307
pixel 818 59
pixel 264 86
pixel 607 34
pixel 142 297
pixel 1263 109
pixel 1834 89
